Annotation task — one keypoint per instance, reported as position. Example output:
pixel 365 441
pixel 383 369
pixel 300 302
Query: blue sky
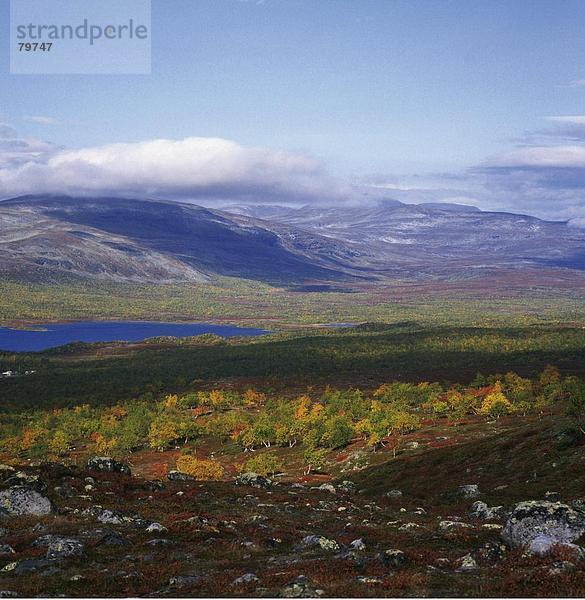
pixel 427 99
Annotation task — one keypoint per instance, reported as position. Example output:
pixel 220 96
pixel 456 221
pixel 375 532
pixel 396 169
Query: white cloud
pixel 572 119
pixel 191 168
pixel 41 120
pixel 541 156
pixel 578 222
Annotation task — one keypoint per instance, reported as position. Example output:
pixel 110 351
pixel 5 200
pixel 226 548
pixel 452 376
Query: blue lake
pixel 58 334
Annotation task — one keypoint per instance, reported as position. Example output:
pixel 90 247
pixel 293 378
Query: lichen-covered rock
pixel 468 491
pixel 548 522
pixel 253 480
pixel 327 487
pixel 65 548
pixel 492 551
pixel 321 541
pixel 24 501
pixel 108 465
pixel 453 525
pixel 107 516
pixel 301 587
pixel 466 564
pixel 481 510
pixel 31 565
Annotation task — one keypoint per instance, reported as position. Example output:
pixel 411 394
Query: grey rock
pixel 368 579
pixel 246 578
pixel 347 487
pixel 492 551
pixel 469 491
pixel 178 476
pixel 160 542
pixel 481 510
pixel 65 548
pixel 357 544
pixel 24 501
pixel 301 587
pixel 6 549
pixel 327 487
pixel 394 494
pixel 254 480
pixel 30 565
pixel 183 581
pixel 321 541
pixel 156 527
pixel 453 525
pixel 552 496
pixel 552 522
pixel 108 465
pixel 466 564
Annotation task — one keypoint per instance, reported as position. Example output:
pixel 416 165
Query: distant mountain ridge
pixel 160 241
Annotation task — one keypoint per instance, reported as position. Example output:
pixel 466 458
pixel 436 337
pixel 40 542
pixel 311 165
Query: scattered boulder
pixel 453 525
pixel 183 581
pixel 65 548
pixel 6 470
pixel 393 558
pixel 394 494
pixel 560 567
pixel 108 465
pixel 66 490
pixel 492 551
pixel 347 487
pixel 468 491
pixel 357 544
pixel 466 564
pixel 6 549
pixel 245 579
pixel 113 538
pixel 178 476
pixel 552 496
pixel 327 487
pixel 31 565
pixel 254 480
pixel 321 541
pixel 481 510
pixel 301 587
pixel 538 525
pixel 24 501
pixel 156 527
pixel 369 580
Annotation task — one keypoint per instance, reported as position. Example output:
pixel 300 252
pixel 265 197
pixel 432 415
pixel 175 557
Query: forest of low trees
pixel 316 423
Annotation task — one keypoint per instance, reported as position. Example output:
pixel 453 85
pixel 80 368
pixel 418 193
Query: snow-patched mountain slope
pixel 160 241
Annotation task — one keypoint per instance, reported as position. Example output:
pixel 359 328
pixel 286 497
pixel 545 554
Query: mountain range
pixel 122 239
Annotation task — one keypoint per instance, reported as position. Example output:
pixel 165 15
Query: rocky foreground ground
pixel 99 531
